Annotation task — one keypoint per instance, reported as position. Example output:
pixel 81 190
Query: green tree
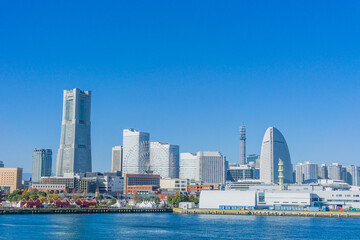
pixel 112 201
pixel 156 200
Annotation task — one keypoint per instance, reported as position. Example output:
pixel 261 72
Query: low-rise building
pixel 173 184
pixel 140 180
pixel 141 189
pixel 199 188
pixel 227 200
pixel 51 188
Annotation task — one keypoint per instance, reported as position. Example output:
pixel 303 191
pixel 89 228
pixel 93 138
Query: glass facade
pixel 74 154
pixel 42 164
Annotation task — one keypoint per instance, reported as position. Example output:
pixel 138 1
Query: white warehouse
pixel 227 199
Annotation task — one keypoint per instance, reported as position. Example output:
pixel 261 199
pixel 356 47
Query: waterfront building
pixel 211 167
pixel 274 147
pixel 142 189
pixel 187 166
pixel 164 159
pixel 10 179
pixel 141 180
pixel 117 158
pixel 173 184
pixel 241 172
pixel 73 184
pixel 41 164
pixel 306 172
pixel 74 155
pixel 51 188
pixel 196 188
pixel 227 200
pixel 1 164
pixel 323 172
pixel 136 155
pixel 335 172
pixel 353 175
pixel 242 144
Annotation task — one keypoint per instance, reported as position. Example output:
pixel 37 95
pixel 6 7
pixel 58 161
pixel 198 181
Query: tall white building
pixel 353 175
pixel 188 166
pixel 306 172
pixel 117 158
pixel 136 152
pixel 164 159
pixel 273 148
pixel 74 155
pixel 211 167
pixel 335 171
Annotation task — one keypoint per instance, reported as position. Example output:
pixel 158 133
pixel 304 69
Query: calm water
pixel 173 226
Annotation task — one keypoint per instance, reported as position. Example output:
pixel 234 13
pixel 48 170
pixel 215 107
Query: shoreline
pixel 83 210
pixel 268 213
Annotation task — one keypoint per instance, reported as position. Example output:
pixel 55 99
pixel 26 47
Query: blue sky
pixel 188 72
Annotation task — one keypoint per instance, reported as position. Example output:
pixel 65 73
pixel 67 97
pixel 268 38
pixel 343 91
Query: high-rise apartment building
pixel 323 172
pixel 306 172
pixel 74 155
pixel 242 144
pixel 187 166
pixel 41 164
pixel 335 172
pixel 274 147
pixel 136 155
pixel 164 159
pixel 210 167
pixel 10 179
pixel 353 175
pixel 117 158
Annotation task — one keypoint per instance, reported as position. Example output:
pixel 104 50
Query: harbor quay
pixel 83 210
pixel 268 213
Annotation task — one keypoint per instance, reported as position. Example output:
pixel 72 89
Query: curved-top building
pixel 274 147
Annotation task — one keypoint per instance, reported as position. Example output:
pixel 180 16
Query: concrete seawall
pixel 83 210
pixel 268 213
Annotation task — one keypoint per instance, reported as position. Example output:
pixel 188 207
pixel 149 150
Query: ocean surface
pixel 174 226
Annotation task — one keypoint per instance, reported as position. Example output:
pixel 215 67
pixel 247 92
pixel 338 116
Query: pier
pixel 83 210
pixel 268 213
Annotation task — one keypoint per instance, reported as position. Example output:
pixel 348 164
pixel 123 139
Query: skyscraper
pixel 353 175
pixel 242 144
pixel 187 166
pixel 41 165
pixel 210 167
pixel 164 159
pixel 74 155
pixel 136 155
pixel 1 164
pixel 117 158
pixel 273 148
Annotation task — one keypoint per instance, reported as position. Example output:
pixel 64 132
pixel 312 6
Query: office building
pixel 41 165
pixel 136 155
pixel 164 159
pixel 1 164
pixel 253 158
pixel 274 147
pixel 323 172
pixel 187 166
pixel 335 172
pixel 306 172
pixel 117 158
pixel 242 145
pixel 211 167
pixel 131 180
pixel 74 155
pixel 10 179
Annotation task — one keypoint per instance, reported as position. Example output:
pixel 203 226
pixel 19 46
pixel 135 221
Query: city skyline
pixel 184 76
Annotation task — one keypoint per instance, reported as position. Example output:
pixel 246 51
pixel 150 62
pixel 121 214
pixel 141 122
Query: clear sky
pixel 188 72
